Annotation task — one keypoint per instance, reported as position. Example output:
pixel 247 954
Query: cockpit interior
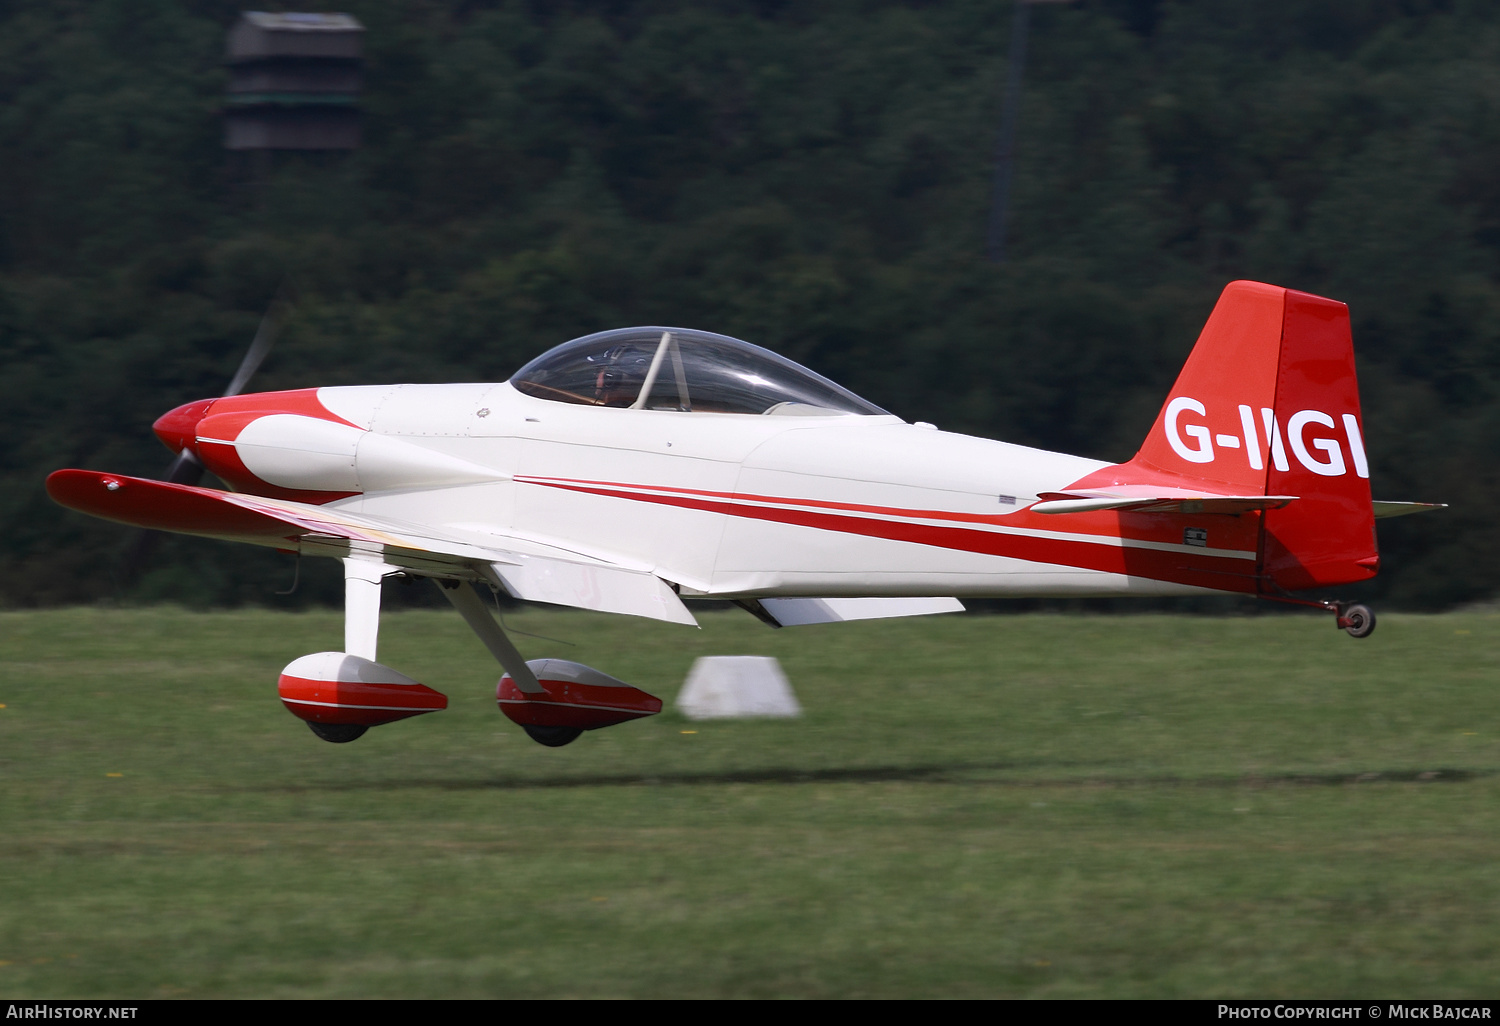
pixel 684 371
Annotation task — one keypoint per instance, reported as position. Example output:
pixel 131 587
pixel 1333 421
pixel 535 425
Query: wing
pixel 526 569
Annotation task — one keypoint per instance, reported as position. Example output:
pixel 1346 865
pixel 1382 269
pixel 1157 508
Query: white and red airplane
pixel 630 469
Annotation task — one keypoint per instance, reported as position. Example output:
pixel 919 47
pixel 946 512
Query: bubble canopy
pixel 681 370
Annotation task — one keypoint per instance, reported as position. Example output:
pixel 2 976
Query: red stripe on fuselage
pixel 1223 573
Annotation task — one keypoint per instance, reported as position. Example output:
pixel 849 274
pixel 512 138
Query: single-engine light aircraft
pixel 630 469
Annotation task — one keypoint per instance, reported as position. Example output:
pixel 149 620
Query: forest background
pixel 813 177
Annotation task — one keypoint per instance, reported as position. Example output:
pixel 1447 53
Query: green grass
pixel 1039 806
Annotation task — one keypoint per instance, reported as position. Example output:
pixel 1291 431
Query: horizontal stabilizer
pixel 1401 509
pixel 1181 502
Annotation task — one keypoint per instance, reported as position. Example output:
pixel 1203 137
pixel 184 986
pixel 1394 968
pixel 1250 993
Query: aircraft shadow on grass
pixel 957 773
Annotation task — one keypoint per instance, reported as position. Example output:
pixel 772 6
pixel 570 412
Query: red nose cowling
pixel 178 429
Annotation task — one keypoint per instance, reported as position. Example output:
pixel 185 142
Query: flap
pixel 795 612
pixel 599 586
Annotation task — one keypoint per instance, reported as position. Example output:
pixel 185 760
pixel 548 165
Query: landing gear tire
pixel 552 737
pixel 338 733
pixel 1358 621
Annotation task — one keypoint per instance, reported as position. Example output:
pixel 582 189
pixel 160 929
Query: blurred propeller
pixel 187 468
pixel 265 337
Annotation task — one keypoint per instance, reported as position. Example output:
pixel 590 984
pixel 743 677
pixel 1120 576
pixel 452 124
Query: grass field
pixel 1038 806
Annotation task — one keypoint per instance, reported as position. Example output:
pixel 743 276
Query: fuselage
pixel 719 504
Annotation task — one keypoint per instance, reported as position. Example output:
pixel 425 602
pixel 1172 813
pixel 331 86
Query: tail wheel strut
pixel 1358 620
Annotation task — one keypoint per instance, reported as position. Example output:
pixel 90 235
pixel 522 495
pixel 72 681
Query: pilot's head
pixel 620 371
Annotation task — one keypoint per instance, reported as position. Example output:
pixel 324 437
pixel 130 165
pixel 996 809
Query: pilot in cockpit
pixel 620 372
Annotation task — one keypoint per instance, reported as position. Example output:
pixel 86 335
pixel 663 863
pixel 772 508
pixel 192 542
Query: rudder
pixel 1327 536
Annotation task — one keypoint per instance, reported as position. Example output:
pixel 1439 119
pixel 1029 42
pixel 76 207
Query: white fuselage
pixel 727 505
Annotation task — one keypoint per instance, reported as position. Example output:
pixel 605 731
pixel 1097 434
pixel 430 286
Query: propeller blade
pixel 265 337
pixel 185 469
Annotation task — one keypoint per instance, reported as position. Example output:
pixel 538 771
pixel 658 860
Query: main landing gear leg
pixel 362 582
pixel 478 617
pixel 362 576
pixel 569 697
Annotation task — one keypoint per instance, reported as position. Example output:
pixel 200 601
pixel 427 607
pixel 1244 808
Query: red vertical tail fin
pixel 1268 404
pixel 1209 429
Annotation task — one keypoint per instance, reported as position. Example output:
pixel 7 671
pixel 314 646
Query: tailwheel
pixel 338 733
pixel 552 737
pixel 1358 621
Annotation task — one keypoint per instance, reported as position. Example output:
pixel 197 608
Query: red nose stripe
pixel 178 429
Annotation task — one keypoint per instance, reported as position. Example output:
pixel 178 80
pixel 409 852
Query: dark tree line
pixel 812 177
